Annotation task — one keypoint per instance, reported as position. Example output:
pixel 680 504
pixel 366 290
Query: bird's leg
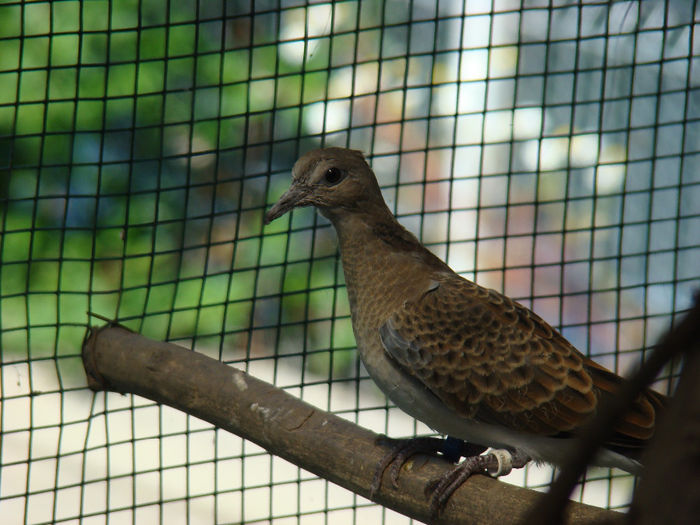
pixel 497 462
pixel 454 448
pixel 403 449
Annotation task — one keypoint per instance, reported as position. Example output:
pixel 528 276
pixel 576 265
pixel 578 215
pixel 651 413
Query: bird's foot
pixel 403 449
pixel 496 462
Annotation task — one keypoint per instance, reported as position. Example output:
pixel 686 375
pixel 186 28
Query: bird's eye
pixel 333 175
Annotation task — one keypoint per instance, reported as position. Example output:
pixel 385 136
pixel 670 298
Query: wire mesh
pixel 549 150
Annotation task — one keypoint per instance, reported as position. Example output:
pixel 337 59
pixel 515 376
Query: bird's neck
pixel 375 236
pixel 380 259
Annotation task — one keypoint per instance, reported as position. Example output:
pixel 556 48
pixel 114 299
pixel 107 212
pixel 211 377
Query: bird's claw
pixel 401 451
pixel 441 489
pixel 496 462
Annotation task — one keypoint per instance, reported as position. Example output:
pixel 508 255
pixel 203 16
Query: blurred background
pixel 547 150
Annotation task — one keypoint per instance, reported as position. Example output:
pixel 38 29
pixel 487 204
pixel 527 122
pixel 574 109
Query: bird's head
pixel 335 180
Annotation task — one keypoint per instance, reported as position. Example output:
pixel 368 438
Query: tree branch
pixel 119 360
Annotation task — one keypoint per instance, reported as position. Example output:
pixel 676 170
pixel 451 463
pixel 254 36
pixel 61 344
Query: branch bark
pixel 119 360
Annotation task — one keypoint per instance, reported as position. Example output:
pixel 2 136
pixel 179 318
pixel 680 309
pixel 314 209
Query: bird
pixel 469 362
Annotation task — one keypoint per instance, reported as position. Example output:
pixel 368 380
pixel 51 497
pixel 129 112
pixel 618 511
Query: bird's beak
pixel 292 198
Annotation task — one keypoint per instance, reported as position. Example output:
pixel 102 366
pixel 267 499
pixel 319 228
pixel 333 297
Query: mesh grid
pixel 549 151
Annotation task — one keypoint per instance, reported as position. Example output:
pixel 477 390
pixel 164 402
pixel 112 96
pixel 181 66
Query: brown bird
pixel 467 361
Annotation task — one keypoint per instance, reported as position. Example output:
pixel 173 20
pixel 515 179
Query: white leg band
pixel 505 462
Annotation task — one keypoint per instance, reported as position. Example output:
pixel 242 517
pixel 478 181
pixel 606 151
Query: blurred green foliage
pixel 140 142
pixel 135 140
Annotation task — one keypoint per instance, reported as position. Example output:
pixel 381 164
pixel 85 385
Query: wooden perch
pixel 119 360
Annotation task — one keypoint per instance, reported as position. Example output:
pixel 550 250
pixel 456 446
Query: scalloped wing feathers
pixel 490 358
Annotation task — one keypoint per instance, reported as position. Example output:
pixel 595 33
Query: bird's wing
pixel 488 357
